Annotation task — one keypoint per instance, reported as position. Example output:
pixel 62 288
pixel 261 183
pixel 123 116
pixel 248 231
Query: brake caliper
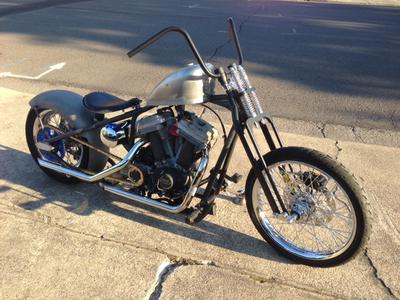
pixel 314 180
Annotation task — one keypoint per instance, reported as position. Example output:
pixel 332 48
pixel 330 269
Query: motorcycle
pixel 302 202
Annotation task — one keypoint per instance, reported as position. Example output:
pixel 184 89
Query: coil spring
pixel 252 94
pixel 249 99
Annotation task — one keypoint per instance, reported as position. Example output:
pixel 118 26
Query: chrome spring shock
pixel 239 84
pixel 250 90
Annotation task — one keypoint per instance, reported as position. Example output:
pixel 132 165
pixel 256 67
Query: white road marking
pixel 294 30
pixel 194 5
pixel 222 31
pixel 51 69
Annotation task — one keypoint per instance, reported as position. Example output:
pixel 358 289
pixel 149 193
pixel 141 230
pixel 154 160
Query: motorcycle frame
pixel 242 128
pixel 216 179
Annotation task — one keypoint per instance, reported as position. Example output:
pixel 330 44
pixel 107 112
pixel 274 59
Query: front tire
pixel 334 228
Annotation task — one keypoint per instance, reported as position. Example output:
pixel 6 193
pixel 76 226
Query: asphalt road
pixel 318 62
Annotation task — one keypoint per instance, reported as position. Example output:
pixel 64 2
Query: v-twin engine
pixel 167 164
pixel 176 138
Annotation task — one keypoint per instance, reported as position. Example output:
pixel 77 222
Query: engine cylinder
pixel 156 146
pixel 186 156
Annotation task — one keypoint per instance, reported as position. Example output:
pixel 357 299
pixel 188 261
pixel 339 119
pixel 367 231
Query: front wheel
pixel 326 220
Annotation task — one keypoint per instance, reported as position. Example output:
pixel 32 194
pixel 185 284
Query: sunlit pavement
pixel 78 242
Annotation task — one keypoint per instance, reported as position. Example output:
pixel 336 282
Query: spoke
pixel 322 243
pixel 344 205
pixel 334 238
pixel 336 234
pixel 347 219
pixel 316 238
pixel 298 232
pixel 337 230
pixel 312 238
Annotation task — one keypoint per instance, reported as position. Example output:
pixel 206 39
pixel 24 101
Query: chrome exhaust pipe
pixel 172 209
pixel 96 177
pixel 154 203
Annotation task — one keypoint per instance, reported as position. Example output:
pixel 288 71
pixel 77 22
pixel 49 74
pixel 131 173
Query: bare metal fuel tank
pixel 186 86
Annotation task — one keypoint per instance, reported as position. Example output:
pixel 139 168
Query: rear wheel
pixel 67 152
pixel 326 224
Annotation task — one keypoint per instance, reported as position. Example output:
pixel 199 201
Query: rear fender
pixel 70 106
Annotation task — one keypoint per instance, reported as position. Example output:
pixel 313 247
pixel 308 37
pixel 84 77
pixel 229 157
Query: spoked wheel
pixel 66 152
pixel 325 224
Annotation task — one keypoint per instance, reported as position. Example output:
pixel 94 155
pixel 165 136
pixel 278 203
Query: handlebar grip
pixel 236 39
pixel 135 51
pixel 151 40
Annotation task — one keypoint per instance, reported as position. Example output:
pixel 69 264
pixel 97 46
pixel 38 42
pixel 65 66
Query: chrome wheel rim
pixel 72 153
pixel 326 233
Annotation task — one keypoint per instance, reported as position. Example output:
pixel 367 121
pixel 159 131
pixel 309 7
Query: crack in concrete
pixel 357 135
pixel 338 149
pixel 217 49
pixel 166 269
pixel 256 11
pixel 176 261
pixel 322 128
pixel 392 119
pixel 376 275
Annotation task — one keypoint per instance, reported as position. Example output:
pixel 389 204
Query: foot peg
pixel 228 180
pixel 199 213
pixel 240 197
pixel 235 178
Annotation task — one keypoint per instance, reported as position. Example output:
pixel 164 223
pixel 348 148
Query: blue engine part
pixel 112 133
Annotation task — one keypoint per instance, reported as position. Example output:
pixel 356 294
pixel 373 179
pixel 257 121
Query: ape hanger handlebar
pixel 192 46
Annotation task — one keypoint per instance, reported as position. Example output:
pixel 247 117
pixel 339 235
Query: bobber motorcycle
pixel 302 202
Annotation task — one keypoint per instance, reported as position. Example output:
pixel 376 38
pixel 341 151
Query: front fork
pixel 245 131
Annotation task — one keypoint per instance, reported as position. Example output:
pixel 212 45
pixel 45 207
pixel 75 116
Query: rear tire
pixel 340 176
pixel 30 128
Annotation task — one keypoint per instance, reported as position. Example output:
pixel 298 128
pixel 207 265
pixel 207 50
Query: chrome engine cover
pixel 149 124
pixel 186 86
pixel 197 131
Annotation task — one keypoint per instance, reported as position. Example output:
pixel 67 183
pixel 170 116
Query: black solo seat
pixel 101 102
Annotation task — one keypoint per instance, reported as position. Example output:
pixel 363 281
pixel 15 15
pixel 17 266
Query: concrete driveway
pixel 59 241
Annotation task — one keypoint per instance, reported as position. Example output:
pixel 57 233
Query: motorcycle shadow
pixel 25 186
